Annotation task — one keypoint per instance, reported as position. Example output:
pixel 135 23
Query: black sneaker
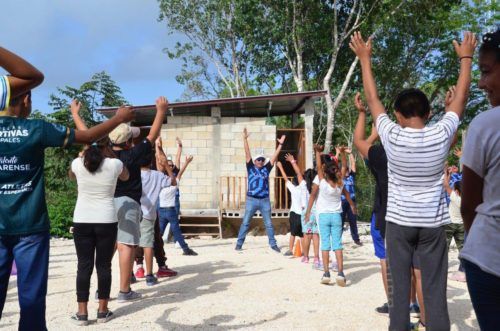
pixel 81 320
pixel 104 316
pixel 326 278
pixel 276 249
pixel 190 252
pixel 151 280
pixel 384 309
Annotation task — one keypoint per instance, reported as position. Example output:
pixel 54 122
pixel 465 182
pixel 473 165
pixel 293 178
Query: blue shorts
pixel 330 231
pixel 378 241
pixel 310 227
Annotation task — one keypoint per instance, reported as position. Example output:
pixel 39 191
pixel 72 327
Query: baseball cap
pixel 122 133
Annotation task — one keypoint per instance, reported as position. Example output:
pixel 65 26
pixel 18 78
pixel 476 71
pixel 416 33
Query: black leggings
pixel 94 239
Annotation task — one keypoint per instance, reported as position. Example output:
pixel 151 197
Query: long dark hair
pixel 331 173
pixel 309 178
pixel 94 155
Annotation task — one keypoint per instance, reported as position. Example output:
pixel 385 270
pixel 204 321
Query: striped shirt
pixel 4 93
pixel 415 163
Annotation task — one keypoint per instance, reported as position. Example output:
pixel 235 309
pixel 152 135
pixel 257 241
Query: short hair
pixel 491 44
pixel 412 103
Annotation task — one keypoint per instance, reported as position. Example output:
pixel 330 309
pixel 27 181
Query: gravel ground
pixel 222 289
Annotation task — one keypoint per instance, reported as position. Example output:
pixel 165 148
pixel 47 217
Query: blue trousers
pixel 31 253
pixel 484 290
pixel 169 215
pixel 251 206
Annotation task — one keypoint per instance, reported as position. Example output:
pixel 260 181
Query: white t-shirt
pixel 481 154
pixel 167 196
pixel 296 191
pixel 415 161
pixel 152 183
pixel 454 208
pixel 95 202
pixel 329 198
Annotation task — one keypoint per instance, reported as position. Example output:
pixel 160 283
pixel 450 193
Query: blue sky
pixel 69 40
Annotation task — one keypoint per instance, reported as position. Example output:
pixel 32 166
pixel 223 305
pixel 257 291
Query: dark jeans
pixel 31 253
pixel 484 291
pixel 94 239
pixel 430 245
pixel 347 213
pixel 169 215
pixel 158 249
pixel 251 206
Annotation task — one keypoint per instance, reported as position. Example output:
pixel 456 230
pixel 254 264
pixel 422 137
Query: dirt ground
pixel 222 289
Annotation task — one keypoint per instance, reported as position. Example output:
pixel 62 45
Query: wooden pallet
pixel 201 225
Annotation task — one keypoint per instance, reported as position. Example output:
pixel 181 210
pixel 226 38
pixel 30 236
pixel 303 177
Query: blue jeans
pixel 169 215
pixel 484 290
pixel 31 253
pixel 347 213
pixel 251 206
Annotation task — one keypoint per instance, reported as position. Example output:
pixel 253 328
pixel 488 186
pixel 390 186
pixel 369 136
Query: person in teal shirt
pixel 24 221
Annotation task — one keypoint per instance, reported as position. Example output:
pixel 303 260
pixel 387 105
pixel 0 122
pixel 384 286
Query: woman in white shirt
pixel 95 224
pixel 481 193
pixel 327 189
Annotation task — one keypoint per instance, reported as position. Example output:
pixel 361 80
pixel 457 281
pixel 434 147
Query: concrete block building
pixel 213 189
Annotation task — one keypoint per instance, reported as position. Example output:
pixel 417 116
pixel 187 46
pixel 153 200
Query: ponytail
pixel 92 158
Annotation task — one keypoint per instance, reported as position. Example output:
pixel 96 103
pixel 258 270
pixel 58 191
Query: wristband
pixel 466 57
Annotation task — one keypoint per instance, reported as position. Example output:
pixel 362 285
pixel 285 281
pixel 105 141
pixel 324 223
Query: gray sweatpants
pixel 430 245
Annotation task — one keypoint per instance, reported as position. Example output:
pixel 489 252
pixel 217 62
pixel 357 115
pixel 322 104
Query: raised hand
pixel 75 106
pixel 189 158
pixel 158 142
pixel 467 47
pixel 245 133
pixel 289 157
pixel 281 140
pixel 319 148
pixel 450 95
pixel 348 150
pixel 358 103
pixel 362 49
pixel 125 114
pixel 162 104
pixel 178 141
pixel 457 152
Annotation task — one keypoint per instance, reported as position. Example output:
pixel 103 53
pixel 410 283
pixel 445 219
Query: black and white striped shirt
pixel 415 163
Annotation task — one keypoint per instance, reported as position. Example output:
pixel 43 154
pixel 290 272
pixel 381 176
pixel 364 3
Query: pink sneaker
pixel 317 264
pixel 458 276
pixel 304 259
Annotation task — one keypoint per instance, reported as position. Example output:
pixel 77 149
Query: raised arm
pixel 188 161
pixel 343 160
pixel 289 157
pixel 179 153
pixel 363 51
pixel 318 149
pixel 446 180
pixel 352 162
pixel 123 115
pixel 161 109
pixel 75 112
pixel 23 76
pixel 362 144
pixel 282 171
pixel 278 150
pixel 161 158
pixel 465 52
pixel 248 155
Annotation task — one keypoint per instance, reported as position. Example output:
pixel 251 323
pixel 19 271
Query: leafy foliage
pixel 99 91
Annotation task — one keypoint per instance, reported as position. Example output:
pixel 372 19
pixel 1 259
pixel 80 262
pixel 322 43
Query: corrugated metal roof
pixel 254 106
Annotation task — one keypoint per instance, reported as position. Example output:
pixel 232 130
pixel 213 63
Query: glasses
pixel 260 159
